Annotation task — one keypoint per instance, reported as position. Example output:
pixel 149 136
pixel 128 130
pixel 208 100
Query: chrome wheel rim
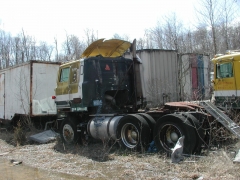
pixel 168 136
pixel 68 133
pixel 130 135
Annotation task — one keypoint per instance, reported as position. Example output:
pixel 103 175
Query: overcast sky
pixel 46 19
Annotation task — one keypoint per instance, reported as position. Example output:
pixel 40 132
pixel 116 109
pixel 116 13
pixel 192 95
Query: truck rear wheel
pixel 133 132
pixel 169 129
pixel 68 131
pixel 151 122
pixel 198 130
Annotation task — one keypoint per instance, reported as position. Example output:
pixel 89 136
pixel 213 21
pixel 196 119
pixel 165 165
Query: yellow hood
pixel 106 48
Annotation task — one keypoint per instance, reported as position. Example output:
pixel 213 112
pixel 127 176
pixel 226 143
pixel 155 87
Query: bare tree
pixel 209 15
pixel 72 47
pixel 201 40
pixel 91 36
pixel 172 30
pixel 17 49
pixel 186 42
pixel 148 40
pixel 5 49
pixel 157 36
pixel 229 13
pixel 124 37
pixel 141 43
pixel 234 33
pixel 28 46
pixel 221 16
pixel 56 49
pixel 25 49
pixel 166 34
pixel 44 51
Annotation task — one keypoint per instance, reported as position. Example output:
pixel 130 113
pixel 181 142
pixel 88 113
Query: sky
pixel 49 19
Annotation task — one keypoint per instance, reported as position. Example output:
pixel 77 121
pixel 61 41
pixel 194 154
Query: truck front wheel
pixel 68 131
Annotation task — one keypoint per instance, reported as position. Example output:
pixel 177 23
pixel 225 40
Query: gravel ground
pixel 96 161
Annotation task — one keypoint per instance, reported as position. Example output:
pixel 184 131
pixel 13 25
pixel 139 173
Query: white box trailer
pixel 26 89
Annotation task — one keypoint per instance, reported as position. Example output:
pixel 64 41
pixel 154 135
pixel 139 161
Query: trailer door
pixel 2 96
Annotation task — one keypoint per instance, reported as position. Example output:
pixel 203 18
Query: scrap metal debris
pixel 44 136
pixel 177 151
pixel 3 129
pixel 15 162
pixel 237 158
pixel 182 105
pixel 5 153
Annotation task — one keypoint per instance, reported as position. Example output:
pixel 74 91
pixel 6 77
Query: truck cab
pixel 86 84
pixel 101 79
pixel 227 80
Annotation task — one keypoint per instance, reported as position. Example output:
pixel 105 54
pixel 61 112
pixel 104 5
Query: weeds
pixel 19 136
pixel 23 128
pixel 222 135
pixel 26 123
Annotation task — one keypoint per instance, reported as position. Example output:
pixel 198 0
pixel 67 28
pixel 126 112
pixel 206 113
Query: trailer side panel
pixel 2 96
pixel 43 84
pixel 27 89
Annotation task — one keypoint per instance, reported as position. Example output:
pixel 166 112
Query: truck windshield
pixel 224 70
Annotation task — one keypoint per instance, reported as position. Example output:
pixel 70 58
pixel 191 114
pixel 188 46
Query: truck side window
pixel 224 70
pixel 74 75
pixel 64 74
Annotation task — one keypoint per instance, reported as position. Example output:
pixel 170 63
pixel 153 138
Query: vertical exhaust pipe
pixel 137 77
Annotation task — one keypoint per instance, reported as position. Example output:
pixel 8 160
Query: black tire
pixel 133 132
pixel 169 129
pixel 151 122
pixel 68 131
pixel 198 130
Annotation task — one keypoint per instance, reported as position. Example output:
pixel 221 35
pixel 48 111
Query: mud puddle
pixel 10 171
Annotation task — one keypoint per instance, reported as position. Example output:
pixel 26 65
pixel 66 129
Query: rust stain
pixel 183 105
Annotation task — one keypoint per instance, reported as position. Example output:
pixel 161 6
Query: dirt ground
pixel 96 161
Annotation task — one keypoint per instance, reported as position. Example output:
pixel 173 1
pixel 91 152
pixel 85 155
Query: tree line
pixel 217 30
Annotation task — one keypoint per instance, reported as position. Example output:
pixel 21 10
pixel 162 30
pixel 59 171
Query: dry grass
pixel 98 161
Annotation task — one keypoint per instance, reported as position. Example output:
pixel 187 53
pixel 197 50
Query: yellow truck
pixel 226 80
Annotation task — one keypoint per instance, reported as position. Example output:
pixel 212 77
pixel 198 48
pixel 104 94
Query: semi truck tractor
pixel 100 96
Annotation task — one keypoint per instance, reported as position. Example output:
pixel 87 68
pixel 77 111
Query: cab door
pixel 73 80
pixel 62 88
pixel 225 82
pixel 237 74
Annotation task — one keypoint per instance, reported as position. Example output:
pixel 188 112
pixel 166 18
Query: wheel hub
pixel 129 134
pixel 174 137
pixel 68 133
pixel 169 136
